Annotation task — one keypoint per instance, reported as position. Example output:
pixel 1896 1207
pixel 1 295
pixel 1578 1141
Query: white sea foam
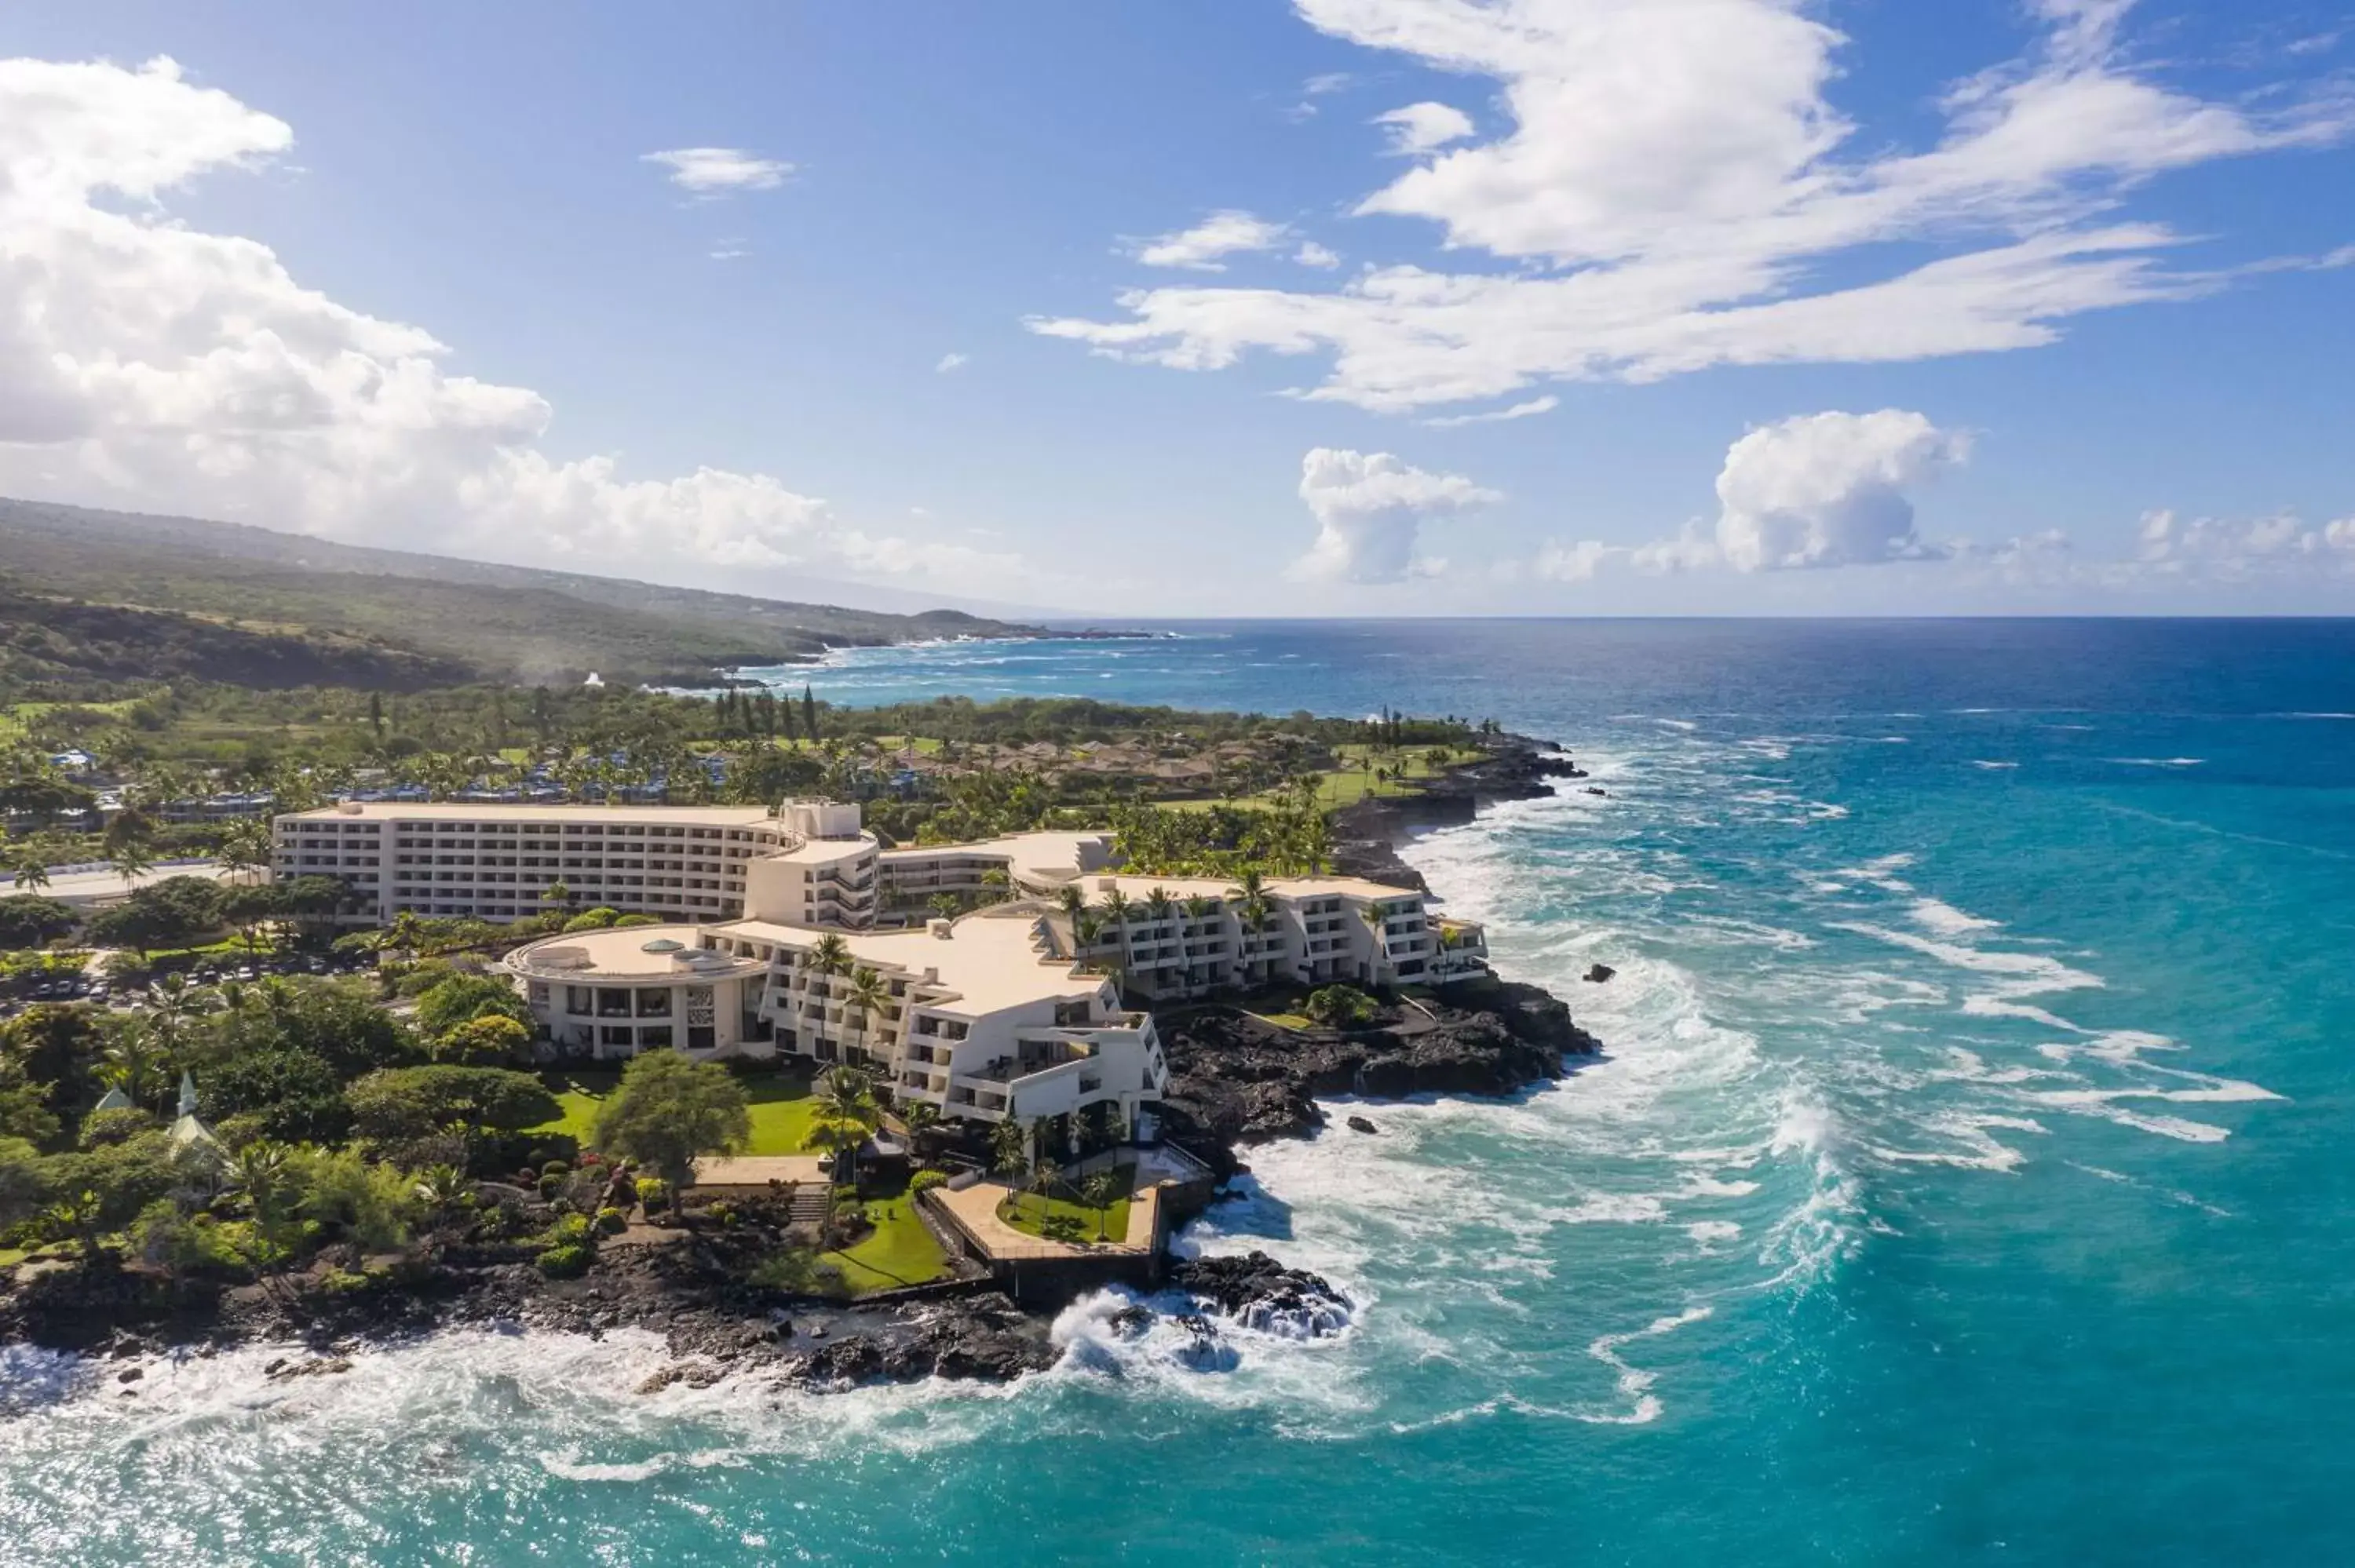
pixel 1708 1231
pixel 1948 921
pixel 2157 762
pixel 1992 765
pixel 1634 1382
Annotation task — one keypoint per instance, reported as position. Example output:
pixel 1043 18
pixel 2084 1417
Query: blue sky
pixel 412 279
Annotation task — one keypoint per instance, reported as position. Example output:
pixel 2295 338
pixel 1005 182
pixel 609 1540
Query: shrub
pixel 455 999
pixel 567 1261
pixel 555 1168
pixel 106 1127
pixel 346 1282
pixel 638 920
pixel 653 1192
pixel 925 1181
pixel 799 1271
pixel 1339 1006
pixel 611 1222
pixel 569 1230
pixel 549 1186
pixel 422 976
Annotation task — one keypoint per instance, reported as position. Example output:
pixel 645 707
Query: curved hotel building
pixel 794 932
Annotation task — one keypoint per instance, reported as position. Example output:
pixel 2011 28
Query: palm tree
pixel 1373 914
pixel 245 846
pixel 173 1004
pixel 918 1117
pixel 830 955
pixel 130 1062
pixel 29 865
pixel 1009 1148
pixel 263 1174
pixel 447 1193
pixel 867 997
pixel 849 1094
pixel 1115 910
pixel 131 858
pixel 1197 912
pixel 1253 910
pixel 1100 1192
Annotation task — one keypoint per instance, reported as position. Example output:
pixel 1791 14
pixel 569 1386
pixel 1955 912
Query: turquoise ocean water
pixel 1967 1181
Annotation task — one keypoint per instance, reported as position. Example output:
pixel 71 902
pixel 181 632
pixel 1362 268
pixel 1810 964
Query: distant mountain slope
pixel 62 643
pixel 498 622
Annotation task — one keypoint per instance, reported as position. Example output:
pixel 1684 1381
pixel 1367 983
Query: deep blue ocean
pixel 1968 1179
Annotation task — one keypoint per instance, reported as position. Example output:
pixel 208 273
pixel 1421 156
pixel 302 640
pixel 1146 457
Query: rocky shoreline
pixel 1236 1080
pixel 1369 834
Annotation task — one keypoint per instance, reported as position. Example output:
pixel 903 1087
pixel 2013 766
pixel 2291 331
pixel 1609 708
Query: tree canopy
pixel 670 1110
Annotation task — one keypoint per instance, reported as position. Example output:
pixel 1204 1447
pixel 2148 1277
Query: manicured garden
pixel 901 1250
pixel 1035 1214
pixel 782 1108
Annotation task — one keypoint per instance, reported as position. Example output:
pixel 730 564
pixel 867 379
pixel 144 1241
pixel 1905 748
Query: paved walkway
pixel 759 1170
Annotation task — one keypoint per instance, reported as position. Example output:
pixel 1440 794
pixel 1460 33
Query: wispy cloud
pixel 1224 233
pixel 711 172
pixel 951 362
pixel 1545 405
pixel 1612 230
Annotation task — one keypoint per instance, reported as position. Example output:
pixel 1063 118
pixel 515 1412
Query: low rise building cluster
pixel 794 932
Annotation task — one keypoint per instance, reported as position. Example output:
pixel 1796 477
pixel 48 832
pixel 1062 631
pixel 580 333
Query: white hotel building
pixel 1000 1012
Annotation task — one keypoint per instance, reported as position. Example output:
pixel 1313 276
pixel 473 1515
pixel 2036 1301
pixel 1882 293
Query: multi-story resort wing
pixel 794 933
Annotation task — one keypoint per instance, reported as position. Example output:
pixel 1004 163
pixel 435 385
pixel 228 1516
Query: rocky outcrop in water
pixel 1237 1079
pixel 984 1337
pixel 1256 1290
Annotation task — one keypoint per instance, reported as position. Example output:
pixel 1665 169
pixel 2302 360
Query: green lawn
pixel 1351 782
pixel 900 1252
pixel 1027 1212
pixel 782 1109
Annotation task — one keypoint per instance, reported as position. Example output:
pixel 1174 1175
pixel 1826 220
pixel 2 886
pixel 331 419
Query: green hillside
pixel 460 618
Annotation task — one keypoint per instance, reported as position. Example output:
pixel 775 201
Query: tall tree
pixel 809 712
pixel 671 1111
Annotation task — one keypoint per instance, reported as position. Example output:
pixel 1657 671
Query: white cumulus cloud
pixel 1312 254
pixel 1421 128
pixel 1674 177
pixel 1222 234
pixel 150 364
pixel 1828 490
pixel 719 171
pixel 1370 508
pixel 949 362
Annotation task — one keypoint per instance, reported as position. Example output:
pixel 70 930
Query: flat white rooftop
pixel 646 954
pixel 986 958
pixel 1136 888
pixel 460 811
